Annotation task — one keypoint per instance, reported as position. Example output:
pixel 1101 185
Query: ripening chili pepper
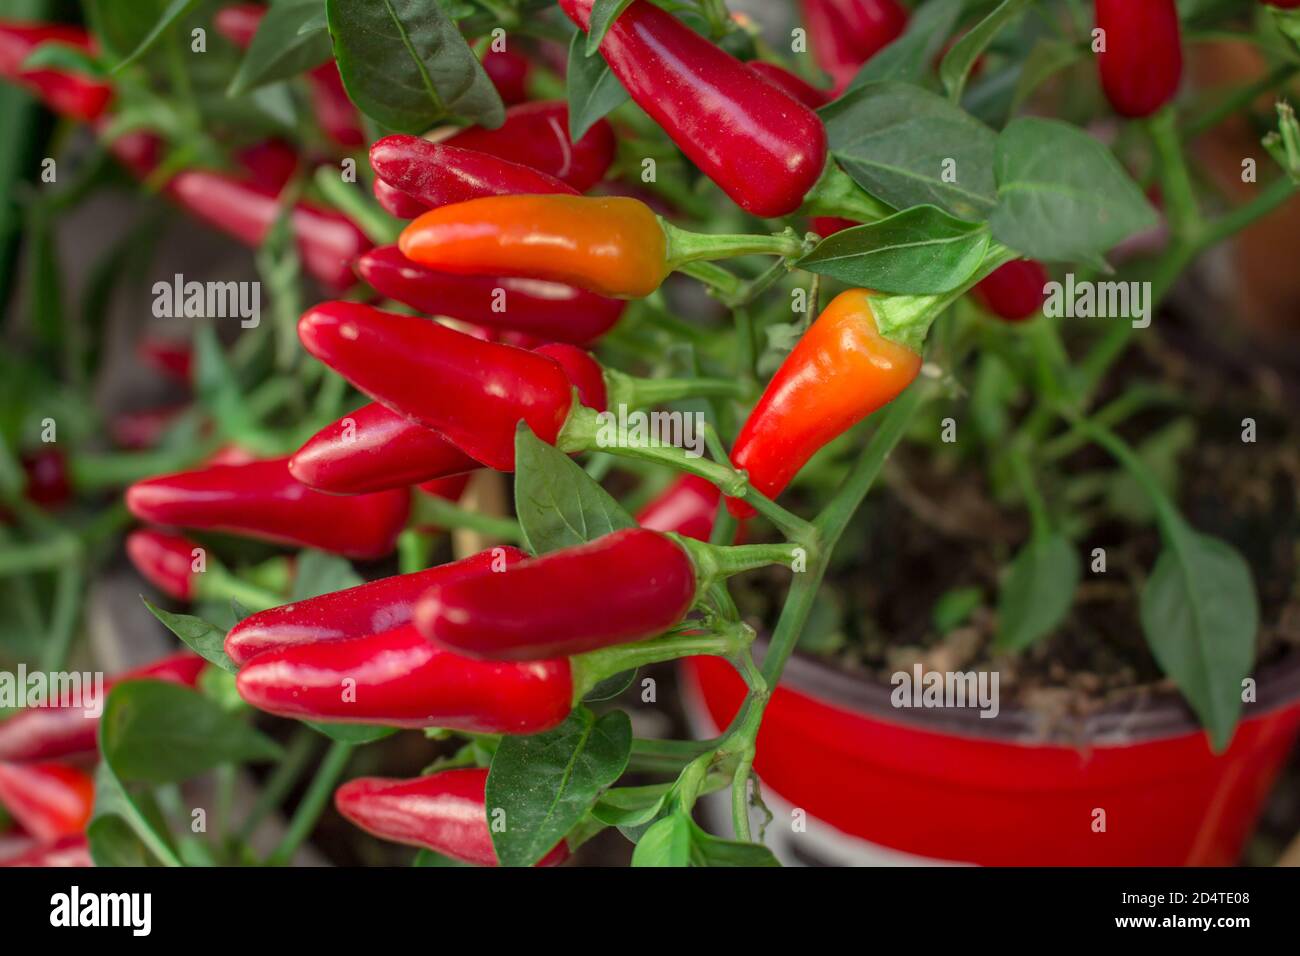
pixel 762 146
pixel 548 310
pixel 164 560
pixel 263 500
pixel 397 203
pixel 398 679
pixel 374 449
pixel 1014 291
pixel 609 245
pixel 583 371
pixel 143 429
pixel 536 135
pixel 49 800
pixel 471 391
pixel 439 174
pixel 829 225
pixel 69 851
pixel 172 358
pixel 445 812
pixel 847 33
pixel 370 608
pixel 69 94
pixel 803 91
pixel 48 482
pixel 270 163
pixel 1142 61
pixel 627 586
pixel 840 372
pixel 687 507
pixel 449 489
pixel 508 72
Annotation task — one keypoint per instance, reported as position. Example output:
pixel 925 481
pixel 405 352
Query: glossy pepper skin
pixel 66 93
pixel 445 812
pixel 164 560
pixel 438 174
pixel 1015 291
pixel 847 33
pixel 627 586
pixel 803 91
pixel 1143 60
pixel 610 245
pixel 471 391
pixel 548 310
pixel 262 500
pixel 536 135
pixel 375 449
pixel 399 679
pixel 840 372
pixel 764 148
pixel 370 608
pixel 397 203
pixel 583 371
pixel 69 851
pixel 49 800
pixel 687 507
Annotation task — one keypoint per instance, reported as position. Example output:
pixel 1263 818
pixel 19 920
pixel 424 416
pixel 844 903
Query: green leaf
pixel 603 15
pixel 429 858
pixel 558 504
pixel 610 687
pixel 1037 592
pixel 667 843
pixel 1159 452
pixel 320 573
pixel 351 733
pixel 198 635
pixel 909 57
pixel 1200 615
pixel 955 607
pixel 157 732
pixel 291 39
pixel 903 144
pixel 406 66
pixel 709 850
pixel 175 12
pixel 1062 195
pixel 121 27
pixel 547 782
pixel 920 251
pixel 956 66
pixel 594 90
pixel 630 806
pixel 1045 60
pixel 126 830
pixel 63 58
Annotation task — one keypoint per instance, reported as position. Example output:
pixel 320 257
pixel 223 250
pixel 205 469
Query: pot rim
pixel 1146 717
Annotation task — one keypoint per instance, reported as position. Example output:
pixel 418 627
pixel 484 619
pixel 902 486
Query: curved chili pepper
pixel 582 370
pixel 48 800
pixel 473 392
pixel 610 245
pixel 508 72
pixel 50 733
pixel 624 587
pixel 398 679
pixel 375 449
pixel 840 372
pixel 687 507
pixel 370 608
pixel 847 33
pixel 69 94
pixel 803 91
pixel 48 482
pixel 536 135
pixel 548 310
pixel 1142 62
pixel 1014 291
pixel 762 146
pixel 445 812
pixel 70 851
pixel 262 500
pixel 397 203
pixel 439 174
pixel 164 560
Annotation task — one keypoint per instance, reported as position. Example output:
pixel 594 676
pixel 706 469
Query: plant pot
pixel 1132 787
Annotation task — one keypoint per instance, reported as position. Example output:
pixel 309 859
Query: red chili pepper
pixel 582 370
pixel 172 358
pixel 262 500
pixel 1014 291
pixel 371 608
pixel 508 72
pixel 397 203
pixel 375 449
pixel 829 225
pixel 48 800
pixel 70 94
pixel 1143 59
pixel 847 33
pixel 270 164
pixel 143 429
pixel 70 851
pixel 1283 4
pixel 164 560
pixel 445 812
pixel 687 507
pixel 803 91
pixel 536 135
pixel 548 310
pixel 48 483
pixel 624 587
pixel 449 489
pixel 762 146
pixel 840 372
pixel 399 679
pixel 439 174
pixel 473 392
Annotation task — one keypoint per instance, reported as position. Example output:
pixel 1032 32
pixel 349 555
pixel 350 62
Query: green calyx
pixel 836 194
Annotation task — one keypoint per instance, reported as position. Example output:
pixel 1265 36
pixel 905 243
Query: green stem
pixel 725 284
pixel 281 781
pixel 740 794
pixel 635 392
pixel 41 556
pixel 1167 514
pixel 1239 98
pixel 1176 180
pixel 313 802
pixel 92 473
pixel 595 666
pixel 382 228
pixel 216 583
pixel 684 246
pixel 68 597
pixel 427 510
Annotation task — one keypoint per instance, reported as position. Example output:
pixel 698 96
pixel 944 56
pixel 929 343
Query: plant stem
pixel 313 802
pixel 595 666
pixel 438 512
pixel 635 392
pixel 684 246
pixel 281 781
